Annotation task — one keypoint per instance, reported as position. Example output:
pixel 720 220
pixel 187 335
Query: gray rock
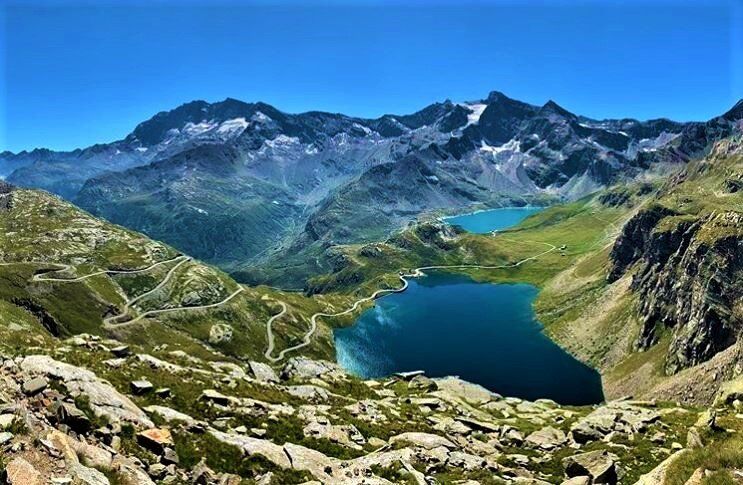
pixel 600 465
pixel 170 456
pixel 423 384
pixel 35 385
pixel 694 438
pixel 7 420
pixel 220 333
pixel 309 392
pixel 546 438
pixel 170 415
pixel 84 475
pixel 67 413
pixel 141 387
pixel 466 461
pixel 202 474
pixel 163 392
pixel 424 440
pixel 254 446
pixel 103 398
pixel 218 398
pixel 471 393
pixel 263 372
pixel 121 351
pixel 305 369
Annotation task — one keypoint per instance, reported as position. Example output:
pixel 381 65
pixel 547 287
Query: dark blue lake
pixel 492 220
pixel 448 324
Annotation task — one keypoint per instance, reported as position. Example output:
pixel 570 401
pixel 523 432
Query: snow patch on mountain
pixel 510 146
pixel 232 127
pixel 195 129
pixel 476 110
pixel 260 117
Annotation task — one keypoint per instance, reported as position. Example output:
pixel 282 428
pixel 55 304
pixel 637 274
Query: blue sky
pixel 79 73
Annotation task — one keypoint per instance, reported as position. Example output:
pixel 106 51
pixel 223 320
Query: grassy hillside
pixel 49 249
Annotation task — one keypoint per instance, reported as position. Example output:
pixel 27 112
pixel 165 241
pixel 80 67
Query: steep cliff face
pixel 688 275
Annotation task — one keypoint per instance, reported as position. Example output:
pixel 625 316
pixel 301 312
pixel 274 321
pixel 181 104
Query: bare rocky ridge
pixel 687 274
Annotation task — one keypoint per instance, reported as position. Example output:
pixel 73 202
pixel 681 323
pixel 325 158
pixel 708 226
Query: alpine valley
pixel 145 337
pixel 280 189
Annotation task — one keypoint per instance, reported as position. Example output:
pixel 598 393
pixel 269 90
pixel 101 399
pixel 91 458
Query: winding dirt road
pixel 417 272
pixel 128 305
pixel 149 313
pixel 66 267
pixel 111 321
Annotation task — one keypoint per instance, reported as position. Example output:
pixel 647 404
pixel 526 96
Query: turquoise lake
pixel 491 220
pixel 448 324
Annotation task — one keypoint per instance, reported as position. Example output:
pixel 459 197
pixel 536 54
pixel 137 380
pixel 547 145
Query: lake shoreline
pixel 399 333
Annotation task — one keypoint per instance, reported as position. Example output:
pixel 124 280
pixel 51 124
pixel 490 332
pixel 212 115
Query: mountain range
pixel 265 194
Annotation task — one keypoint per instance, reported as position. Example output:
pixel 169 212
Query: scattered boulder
pixel 7 420
pixel 121 351
pixel 220 333
pixel 104 399
pixel 21 472
pixel 343 434
pixel 254 446
pixel 170 415
pixel 471 393
pixel 600 465
pixel 69 414
pixel 141 387
pixel 422 383
pixel 155 439
pixel 309 392
pixel 546 438
pixel 694 438
pixel 35 385
pixel 423 440
pixel 217 397
pixel 263 372
pixel 302 368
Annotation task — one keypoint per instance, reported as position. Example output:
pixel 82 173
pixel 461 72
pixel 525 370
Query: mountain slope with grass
pixel 78 274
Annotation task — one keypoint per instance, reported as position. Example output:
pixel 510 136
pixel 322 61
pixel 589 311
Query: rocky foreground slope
pixel 94 411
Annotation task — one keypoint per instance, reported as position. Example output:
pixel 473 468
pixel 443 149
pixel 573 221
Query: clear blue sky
pixel 79 73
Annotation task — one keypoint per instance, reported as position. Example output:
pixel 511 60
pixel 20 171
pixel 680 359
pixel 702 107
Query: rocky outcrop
pixel 630 246
pixel 688 277
pixel 104 399
pixel 6 197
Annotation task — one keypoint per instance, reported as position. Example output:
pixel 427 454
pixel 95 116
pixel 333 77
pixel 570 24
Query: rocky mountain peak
pixel 551 107
pixel 735 113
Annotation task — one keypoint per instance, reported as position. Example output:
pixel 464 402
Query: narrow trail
pixel 149 313
pixel 271 342
pixel 67 267
pixel 111 321
pixel 417 272
pixel 128 305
